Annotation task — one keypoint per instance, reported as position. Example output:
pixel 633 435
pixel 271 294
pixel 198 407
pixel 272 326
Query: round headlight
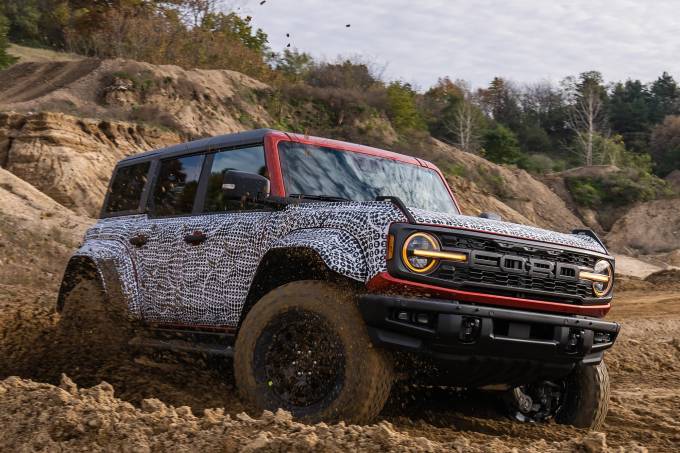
pixel 419 242
pixel 603 268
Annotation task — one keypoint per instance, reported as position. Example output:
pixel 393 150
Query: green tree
pixel 294 64
pixel 629 113
pixel 501 101
pixel 5 58
pixel 237 27
pixel 501 145
pixel 402 108
pixel 665 100
pixel 665 145
pixel 438 106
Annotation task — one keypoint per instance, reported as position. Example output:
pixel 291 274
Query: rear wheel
pixel 92 329
pixel 304 348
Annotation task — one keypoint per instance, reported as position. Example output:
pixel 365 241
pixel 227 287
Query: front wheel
pixel 586 398
pixel 304 348
pixel 581 399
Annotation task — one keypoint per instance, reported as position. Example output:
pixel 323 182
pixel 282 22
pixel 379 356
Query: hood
pixel 506 229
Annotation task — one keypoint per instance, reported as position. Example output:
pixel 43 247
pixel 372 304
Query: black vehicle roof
pixel 217 142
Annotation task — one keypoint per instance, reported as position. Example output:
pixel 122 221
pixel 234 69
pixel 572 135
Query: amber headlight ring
pixel 421 253
pixel 417 245
pixel 602 278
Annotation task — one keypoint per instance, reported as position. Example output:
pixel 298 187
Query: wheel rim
pixel 303 359
pixel 537 402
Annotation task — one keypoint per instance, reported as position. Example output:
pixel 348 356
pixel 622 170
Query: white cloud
pixel 524 40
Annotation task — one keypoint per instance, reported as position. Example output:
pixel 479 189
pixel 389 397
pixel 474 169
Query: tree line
pixel 580 121
pixel 541 127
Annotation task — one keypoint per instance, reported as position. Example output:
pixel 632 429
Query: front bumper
pixel 478 337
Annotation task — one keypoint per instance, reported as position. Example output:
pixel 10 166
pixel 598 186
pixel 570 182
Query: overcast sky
pixel 524 40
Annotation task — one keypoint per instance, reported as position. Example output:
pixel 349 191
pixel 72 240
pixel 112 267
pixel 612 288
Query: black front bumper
pixel 486 344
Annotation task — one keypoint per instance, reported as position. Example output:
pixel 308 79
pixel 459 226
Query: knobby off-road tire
pixel 586 398
pixel 304 348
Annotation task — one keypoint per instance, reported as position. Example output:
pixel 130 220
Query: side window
pixel 176 186
pixel 249 160
pixel 127 187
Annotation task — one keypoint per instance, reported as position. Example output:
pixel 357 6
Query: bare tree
pixel 586 115
pixel 465 122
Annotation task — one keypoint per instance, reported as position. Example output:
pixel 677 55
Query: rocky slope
pixel 649 228
pixel 70 159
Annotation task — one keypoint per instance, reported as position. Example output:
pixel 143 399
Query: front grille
pixel 478 277
pixel 492 245
pixel 497 281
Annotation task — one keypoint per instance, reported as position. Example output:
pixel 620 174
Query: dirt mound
pixel 71 159
pixel 648 228
pixel 37 234
pixel 26 54
pixel 481 186
pixel 667 278
pixel 34 80
pixel 192 102
pixel 674 180
pixel 44 417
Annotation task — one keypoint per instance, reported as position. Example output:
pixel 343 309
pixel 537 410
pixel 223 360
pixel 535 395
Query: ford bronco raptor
pixel 326 270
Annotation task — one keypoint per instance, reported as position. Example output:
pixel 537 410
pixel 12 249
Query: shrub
pixel 501 146
pixel 347 74
pixel 5 58
pixel 585 193
pixel 619 189
pixel 537 163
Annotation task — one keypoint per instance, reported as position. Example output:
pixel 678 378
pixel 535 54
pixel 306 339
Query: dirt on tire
pixel 367 372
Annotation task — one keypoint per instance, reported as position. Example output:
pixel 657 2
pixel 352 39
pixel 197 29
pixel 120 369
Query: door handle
pixel 139 240
pixel 195 238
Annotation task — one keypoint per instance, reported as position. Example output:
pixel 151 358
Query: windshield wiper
pixel 302 196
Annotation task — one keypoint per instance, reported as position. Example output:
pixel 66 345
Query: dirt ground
pixel 156 404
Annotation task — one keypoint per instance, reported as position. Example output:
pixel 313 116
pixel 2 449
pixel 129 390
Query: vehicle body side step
pixel 182 346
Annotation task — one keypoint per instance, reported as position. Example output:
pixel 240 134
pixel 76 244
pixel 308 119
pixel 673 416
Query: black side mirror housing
pixel 245 187
pixel 490 216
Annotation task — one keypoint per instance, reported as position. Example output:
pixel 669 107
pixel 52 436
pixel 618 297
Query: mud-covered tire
pixel 90 325
pixel 586 399
pixel 349 379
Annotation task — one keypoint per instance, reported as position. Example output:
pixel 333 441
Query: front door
pixel 159 253
pixel 201 269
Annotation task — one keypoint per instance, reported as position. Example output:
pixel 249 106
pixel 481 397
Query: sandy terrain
pixel 151 404
pixel 54 168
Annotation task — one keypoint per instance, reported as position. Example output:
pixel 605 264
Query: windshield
pixel 315 170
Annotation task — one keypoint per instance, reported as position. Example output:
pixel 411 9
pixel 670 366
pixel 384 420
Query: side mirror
pixel 242 186
pixel 490 216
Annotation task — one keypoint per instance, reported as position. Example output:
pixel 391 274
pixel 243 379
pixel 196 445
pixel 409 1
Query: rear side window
pixel 127 187
pixel 176 186
pixel 249 160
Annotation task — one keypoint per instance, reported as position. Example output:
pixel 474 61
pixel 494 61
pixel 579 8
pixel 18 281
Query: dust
pixel 125 401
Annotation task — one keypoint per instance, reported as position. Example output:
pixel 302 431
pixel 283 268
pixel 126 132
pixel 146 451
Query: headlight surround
pixel 603 268
pixel 419 241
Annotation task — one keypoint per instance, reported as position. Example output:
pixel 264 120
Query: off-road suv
pixel 328 269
